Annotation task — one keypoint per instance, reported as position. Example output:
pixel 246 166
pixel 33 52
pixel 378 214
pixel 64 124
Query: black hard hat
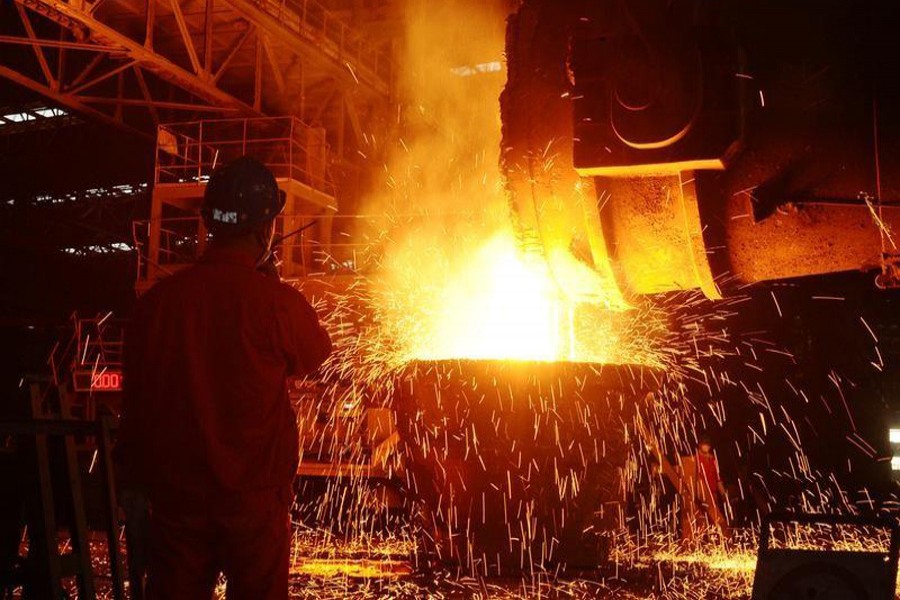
pixel 240 196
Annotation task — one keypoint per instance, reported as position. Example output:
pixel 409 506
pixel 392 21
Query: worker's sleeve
pixel 127 443
pixel 304 341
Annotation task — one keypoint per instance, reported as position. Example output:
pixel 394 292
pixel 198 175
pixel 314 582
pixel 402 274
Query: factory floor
pixel 326 569
pixel 671 577
pixel 641 583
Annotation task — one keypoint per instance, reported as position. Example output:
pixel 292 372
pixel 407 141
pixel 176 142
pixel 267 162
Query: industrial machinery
pixel 518 466
pixel 63 441
pixel 683 145
pixel 785 572
pixel 670 146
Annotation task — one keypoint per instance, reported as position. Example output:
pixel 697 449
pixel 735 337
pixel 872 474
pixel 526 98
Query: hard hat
pixel 241 196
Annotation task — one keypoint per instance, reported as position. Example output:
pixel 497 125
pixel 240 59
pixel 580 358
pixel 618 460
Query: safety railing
pixel 311 20
pixel 189 152
pixel 181 243
pixel 91 358
pixel 99 341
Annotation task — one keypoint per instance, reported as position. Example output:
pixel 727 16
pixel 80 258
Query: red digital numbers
pixel 107 381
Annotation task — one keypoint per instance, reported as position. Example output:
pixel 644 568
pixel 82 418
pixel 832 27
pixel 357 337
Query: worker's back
pixel 207 356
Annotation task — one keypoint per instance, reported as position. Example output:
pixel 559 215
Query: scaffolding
pixel 189 152
pixel 186 156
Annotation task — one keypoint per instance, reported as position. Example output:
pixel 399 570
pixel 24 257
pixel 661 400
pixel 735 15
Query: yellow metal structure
pixel 139 63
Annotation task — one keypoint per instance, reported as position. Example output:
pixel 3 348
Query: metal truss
pixel 137 63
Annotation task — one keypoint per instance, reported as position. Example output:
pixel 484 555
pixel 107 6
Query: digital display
pixel 103 381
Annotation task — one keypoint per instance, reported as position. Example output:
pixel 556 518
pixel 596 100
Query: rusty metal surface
pixel 518 464
pixel 553 207
pixel 806 185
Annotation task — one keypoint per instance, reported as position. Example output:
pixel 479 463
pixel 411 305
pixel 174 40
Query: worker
pixel 207 431
pixel 699 487
pixel 710 491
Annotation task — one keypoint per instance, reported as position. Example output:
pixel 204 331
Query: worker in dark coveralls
pixel 207 429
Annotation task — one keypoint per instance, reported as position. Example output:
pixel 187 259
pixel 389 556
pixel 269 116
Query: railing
pixel 189 152
pixel 180 245
pixel 320 244
pixel 91 359
pixel 99 342
pixel 311 20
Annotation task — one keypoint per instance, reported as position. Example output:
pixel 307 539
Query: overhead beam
pixel 10 39
pixel 63 12
pixel 88 69
pixel 65 99
pixel 94 6
pixel 150 103
pixel 208 37
pixel 257 74
pixel 235 48
pixel 102 78
pixel 149 23
pixel 273 63
pixel 186 75
pixel 300 42
pixel 145 92
pixel 186 36
pixel 38 51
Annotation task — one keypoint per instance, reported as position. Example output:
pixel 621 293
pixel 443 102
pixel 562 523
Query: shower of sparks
pixel 489 402
pixel 509 446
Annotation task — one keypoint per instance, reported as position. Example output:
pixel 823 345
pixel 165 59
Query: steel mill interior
pixel 451 299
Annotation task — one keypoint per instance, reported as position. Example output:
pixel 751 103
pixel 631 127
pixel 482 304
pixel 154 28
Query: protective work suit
pixel 207 429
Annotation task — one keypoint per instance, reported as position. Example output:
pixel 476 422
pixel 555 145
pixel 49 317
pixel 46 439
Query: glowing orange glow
pixel 497 302
pixel 456 276
pixel 353 568
pixel 499 306
pixel 480 296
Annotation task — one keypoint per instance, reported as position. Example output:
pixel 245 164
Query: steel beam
pixel 232 52
pixel 347 67
pixel 38 51
pixel 64 13
pixel 186 36
pixel 61 44
pixel 203 68
pixel 64 99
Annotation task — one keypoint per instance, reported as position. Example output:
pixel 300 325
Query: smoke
pixel 445 160
pixel 443 197
pixel 451 279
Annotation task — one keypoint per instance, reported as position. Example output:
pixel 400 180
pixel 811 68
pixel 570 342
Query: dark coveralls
pixel 207 429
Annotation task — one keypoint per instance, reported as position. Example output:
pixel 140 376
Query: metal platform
pixel 186 156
